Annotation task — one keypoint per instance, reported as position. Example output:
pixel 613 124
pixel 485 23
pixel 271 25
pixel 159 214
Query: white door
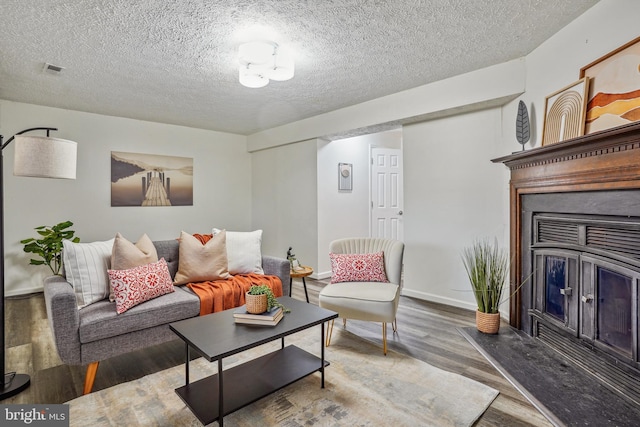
pixel 386 193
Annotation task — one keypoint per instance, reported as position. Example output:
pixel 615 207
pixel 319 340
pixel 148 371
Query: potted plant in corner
pixel 49 246
pixel 487 266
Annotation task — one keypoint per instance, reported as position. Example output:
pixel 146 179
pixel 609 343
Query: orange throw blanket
pixel 221 295
pixel 229 293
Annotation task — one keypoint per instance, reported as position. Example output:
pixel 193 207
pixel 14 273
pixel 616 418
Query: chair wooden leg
pixel 394 325
pixel 344 322
pixel 90 377
pixel 329 331
pixel 384 337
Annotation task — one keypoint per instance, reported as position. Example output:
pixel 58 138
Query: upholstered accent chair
pixel 370 301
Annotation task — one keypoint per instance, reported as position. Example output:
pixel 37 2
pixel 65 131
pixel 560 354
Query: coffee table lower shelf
pixel 248 382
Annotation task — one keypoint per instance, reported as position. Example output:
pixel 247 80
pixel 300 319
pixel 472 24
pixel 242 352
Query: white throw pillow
pixel 244 251
pixel 85 267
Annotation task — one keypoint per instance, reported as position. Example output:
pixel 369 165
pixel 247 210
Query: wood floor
pixel 426 331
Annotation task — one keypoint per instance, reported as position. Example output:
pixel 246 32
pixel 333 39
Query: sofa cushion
pixel 100 320
pixel 169 250
pixel 85 267
pixel 368 267
pixel 139 284
pixel 126 255
pixel 244 251
pixel 198 262
pixel 369 291
pixel 373 301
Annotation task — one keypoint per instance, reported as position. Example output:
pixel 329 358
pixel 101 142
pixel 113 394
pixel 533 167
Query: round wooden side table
pixel 301 273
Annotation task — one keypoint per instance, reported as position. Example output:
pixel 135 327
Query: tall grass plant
pixel 487 266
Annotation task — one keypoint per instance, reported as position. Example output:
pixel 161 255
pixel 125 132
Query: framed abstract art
pixel 614 88
pixel 564 113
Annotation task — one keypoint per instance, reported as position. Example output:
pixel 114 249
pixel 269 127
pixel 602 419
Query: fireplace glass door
pixel 556 281
pixel 555 288
pixel 614 309
pixel 609 306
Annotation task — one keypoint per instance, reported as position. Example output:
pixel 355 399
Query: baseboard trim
pixel 437 298
pixel 323 275
pixel 23 291
pixel 447 301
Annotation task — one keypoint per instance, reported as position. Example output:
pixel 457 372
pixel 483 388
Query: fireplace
pixel 575 237
pixel 585 277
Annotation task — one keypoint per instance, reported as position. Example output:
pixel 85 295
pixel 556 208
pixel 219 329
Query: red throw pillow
pixel 358 267
pixel 139 284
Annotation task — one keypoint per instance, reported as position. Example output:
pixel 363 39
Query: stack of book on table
pixel 268 318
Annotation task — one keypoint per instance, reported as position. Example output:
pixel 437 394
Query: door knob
pixel 566 291
pixel 400 212
pixel 587 298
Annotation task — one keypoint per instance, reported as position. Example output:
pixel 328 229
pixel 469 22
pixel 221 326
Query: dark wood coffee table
pixel 217 336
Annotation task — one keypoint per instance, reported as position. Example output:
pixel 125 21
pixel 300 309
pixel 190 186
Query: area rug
pixel 363 387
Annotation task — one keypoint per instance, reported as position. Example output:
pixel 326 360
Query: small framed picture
pixel 564 113
pixel 345 178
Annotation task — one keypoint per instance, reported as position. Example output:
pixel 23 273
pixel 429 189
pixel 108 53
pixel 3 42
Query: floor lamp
pixel 42 157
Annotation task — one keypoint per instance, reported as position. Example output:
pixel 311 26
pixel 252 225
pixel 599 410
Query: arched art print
pixel 564 113
pixel 151 180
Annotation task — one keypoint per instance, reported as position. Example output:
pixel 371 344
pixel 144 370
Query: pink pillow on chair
pixel 358 267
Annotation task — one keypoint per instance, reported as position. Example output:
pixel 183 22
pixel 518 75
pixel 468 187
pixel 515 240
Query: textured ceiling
pixel 175 61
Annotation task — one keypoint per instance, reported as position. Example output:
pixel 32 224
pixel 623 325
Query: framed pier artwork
pixel 151 180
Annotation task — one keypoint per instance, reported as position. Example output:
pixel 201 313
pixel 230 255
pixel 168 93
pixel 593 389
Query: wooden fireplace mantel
pixel 606 160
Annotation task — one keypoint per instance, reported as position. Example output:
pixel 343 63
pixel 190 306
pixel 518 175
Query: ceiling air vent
pixel 52 69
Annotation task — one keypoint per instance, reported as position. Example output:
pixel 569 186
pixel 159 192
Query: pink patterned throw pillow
pixel 358 267
pixel 139 284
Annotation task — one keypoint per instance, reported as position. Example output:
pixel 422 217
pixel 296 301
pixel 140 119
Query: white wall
pixel 222 184
pixel 285 203
pixel 557 62
pixel 346 214
pixel 453 195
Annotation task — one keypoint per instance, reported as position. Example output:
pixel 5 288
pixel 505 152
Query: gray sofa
pixel 96 332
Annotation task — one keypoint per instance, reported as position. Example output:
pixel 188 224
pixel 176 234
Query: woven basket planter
pixel 256 304
pixel 488 323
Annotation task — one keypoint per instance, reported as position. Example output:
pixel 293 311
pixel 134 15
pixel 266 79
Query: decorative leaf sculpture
pixel 522 124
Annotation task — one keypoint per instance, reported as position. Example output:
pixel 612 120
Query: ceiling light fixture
pixel 261 61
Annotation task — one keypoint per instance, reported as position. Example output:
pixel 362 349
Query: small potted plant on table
pixel 260 298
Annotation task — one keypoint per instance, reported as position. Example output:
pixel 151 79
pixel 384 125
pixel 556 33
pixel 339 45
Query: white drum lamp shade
pixel 45 157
